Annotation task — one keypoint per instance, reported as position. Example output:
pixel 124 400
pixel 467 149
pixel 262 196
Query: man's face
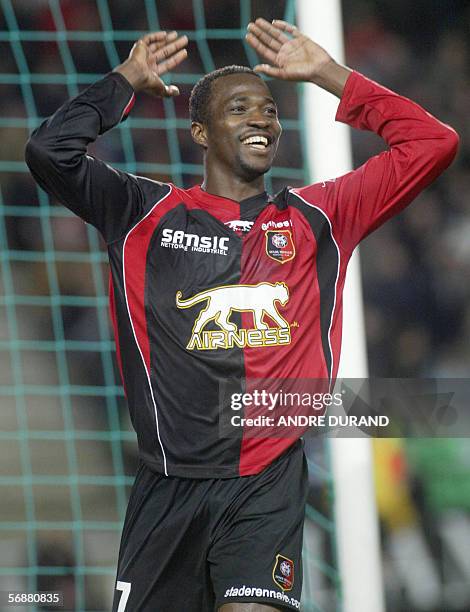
pixel 243 129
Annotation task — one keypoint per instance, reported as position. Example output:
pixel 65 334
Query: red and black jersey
pixel 196 302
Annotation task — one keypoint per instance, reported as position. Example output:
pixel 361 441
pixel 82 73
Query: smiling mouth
pixel 259 143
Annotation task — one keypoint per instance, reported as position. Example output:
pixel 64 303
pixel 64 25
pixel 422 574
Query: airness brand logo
pixel 260 300
pixel 276 224
pixel 177 239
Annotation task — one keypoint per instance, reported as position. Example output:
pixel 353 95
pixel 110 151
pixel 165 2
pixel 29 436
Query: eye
pixel 237 108
pixel 271 110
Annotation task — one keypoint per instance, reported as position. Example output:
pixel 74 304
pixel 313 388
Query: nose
pixel 257 119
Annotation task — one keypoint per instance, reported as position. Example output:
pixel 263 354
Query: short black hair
pixel 201 92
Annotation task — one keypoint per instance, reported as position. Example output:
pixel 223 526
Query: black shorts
pixel 192 545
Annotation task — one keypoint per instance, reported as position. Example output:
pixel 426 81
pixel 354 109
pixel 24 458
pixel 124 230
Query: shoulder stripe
pixel 136 313
pixel 128 107
pixel 329 355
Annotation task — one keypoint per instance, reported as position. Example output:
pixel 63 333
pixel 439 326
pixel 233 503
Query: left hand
pixel 292 59
pixel 152 56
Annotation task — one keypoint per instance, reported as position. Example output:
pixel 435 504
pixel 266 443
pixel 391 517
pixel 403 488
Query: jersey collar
pixel 256 201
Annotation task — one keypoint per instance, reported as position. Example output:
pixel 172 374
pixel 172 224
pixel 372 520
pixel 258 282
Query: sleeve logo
pixel 283 572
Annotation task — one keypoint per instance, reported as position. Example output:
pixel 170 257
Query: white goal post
pixel 329 155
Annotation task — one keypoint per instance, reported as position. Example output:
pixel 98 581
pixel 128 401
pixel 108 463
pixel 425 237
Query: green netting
pixel 67 451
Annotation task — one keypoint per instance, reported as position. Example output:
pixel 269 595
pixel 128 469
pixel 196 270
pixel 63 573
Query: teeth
pixel 256 140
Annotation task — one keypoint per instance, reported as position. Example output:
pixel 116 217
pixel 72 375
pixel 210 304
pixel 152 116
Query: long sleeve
pixel 56 154
pixel 420 148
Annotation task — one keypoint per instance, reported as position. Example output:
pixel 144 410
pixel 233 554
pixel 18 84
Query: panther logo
pixel 261 300
pixel 243 226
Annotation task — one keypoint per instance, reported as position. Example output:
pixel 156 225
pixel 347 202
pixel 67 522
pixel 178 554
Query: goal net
pixel 67 451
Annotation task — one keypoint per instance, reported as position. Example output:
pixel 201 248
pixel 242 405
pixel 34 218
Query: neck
pixel 228 185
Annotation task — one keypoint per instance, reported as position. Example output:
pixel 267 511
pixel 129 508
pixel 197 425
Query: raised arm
pixel 298 58
pixel 56 152
pixel 420 146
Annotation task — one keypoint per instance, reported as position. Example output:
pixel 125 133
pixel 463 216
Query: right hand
pixel 150 57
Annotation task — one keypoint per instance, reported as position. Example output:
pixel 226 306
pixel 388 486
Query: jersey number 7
pixel 125 587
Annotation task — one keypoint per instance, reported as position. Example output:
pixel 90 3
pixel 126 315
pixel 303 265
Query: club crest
pixel 280 245
pixel 283 573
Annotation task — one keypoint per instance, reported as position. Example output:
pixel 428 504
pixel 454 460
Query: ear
pixel 199 133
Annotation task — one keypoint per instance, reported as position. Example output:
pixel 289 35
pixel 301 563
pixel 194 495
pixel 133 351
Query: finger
pixel 260 48
pixel 171 62
pixel 154 37
pixel 265 38
pixel 168 50
pixel 162 41
pixel 170 37
pixel 171 91
pixel 271 71
pixel 272 30
pixel 160 90
pixel 155 40
pixel 287 27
